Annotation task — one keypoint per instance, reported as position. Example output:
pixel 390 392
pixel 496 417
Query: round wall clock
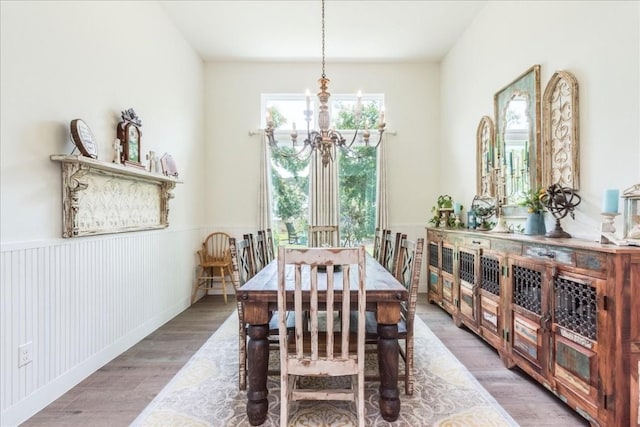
pixel 83 138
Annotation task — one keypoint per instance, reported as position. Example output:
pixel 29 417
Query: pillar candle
pixel 610 201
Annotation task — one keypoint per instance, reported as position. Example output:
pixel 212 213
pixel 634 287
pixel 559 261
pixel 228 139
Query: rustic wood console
pixel 100 197
pixel 566 311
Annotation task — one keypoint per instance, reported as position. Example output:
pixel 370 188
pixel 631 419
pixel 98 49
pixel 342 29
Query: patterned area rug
pixel 205 392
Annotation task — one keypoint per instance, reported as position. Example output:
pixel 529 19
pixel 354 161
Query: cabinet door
pixel 529 316
pixel 578 320
pixel 490 293
pixel 449 292
pixel 468 267
pixel 434 290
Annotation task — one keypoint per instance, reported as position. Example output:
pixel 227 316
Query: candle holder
pixel 608 228
pixel 501 224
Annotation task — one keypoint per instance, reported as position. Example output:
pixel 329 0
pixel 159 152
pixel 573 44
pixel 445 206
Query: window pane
pixel 286 111
pixel 290 191
pixel 357 189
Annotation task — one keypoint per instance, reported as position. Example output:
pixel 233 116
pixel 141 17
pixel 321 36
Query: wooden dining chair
pixel 309 351
pixel 408 273
pixel 241 272
pixel 323 236
pixel 390 244
pixel 214 262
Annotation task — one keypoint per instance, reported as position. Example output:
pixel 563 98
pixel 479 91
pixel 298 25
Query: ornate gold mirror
pixel 517 117
pixel 485 157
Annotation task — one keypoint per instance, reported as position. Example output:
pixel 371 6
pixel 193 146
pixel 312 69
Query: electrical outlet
pixel 25 355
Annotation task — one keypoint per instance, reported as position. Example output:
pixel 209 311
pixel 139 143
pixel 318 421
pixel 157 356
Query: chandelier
pixel 325 140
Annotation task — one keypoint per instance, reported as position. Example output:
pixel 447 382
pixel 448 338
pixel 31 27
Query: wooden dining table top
pixel 380 284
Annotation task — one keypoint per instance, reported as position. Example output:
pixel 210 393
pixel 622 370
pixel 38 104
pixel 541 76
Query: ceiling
pixel 290 30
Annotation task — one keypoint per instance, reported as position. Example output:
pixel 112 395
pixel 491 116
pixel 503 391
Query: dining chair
pixel 323 236
pixel 408 273
pixel 214 262
pixel 309 275
pixel 390 245
pixel 242 270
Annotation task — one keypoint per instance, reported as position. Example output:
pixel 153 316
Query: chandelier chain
pixel 324 75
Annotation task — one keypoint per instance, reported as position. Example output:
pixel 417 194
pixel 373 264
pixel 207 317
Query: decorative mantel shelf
pixel 102 198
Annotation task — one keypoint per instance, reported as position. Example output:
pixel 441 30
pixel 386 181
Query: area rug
pixel 205 392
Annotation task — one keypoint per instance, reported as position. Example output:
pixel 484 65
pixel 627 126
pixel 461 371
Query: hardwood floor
pixel 119 391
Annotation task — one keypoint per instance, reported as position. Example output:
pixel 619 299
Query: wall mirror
pixel 485 157
pixel 517 118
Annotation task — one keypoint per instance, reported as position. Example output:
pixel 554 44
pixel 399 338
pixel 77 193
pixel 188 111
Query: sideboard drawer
pixel 477 242
pixel 559 255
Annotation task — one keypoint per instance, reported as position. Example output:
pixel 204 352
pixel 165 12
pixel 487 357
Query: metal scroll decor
pixel 560 164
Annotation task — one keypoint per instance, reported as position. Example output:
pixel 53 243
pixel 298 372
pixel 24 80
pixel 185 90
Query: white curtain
pixel 323 195
pixel 382 207
pixel 264 211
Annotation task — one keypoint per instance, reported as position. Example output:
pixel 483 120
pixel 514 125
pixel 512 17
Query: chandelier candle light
pixel 325 140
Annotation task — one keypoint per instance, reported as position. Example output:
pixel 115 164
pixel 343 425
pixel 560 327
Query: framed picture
pixel 83 138
pixel 130 135
pixel 168 165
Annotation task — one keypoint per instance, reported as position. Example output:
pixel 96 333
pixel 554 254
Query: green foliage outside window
pixel 357 174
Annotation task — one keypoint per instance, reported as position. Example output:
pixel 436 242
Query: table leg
pixel 258 364
pixel 388 353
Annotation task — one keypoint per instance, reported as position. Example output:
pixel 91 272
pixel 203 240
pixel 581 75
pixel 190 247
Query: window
pixel 357 170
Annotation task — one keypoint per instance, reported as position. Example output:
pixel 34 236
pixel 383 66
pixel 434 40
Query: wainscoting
pixel 82 302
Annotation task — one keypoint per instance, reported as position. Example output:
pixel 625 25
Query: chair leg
pixel 196 285
pixel 242 354
pixel 224 284
pixel 408 367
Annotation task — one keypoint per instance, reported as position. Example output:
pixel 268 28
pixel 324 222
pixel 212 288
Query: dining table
pixel 259 296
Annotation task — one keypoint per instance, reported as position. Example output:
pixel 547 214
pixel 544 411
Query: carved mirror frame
pixel 485 157
pixel 526 85
pixel 560 160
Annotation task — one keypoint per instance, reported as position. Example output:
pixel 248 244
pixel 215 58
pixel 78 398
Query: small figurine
pixel 118 150
pixel 154 162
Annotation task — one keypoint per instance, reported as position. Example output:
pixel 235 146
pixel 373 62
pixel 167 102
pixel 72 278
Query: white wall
pixel 598 42
pixel 83 301
pixel 232 108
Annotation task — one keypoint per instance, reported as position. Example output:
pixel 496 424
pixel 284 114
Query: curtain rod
pixel 261 131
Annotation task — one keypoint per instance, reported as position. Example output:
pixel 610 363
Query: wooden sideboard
pixel 101 197
pixel 566 311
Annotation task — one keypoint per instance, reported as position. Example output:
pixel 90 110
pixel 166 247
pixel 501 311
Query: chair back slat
pixel 377 244
pixel 270 245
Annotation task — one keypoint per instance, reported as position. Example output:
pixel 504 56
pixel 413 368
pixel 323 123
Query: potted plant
pixel 442 212
pixel 535 208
